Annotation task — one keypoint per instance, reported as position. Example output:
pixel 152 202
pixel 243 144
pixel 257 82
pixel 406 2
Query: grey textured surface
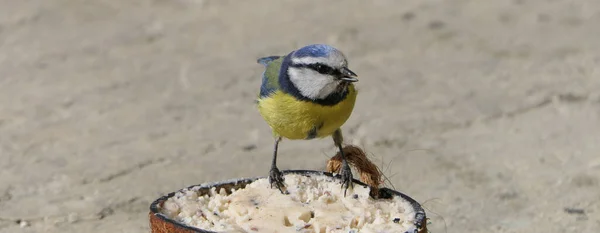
pixel 488 112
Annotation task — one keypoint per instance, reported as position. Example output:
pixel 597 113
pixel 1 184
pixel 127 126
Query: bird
pixel 307 94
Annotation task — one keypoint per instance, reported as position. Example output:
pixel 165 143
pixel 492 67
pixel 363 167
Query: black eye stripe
pixel 321 68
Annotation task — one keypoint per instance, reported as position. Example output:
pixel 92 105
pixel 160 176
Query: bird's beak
pixel 348 75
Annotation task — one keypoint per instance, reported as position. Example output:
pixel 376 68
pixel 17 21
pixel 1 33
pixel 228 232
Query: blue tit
pixel 307 94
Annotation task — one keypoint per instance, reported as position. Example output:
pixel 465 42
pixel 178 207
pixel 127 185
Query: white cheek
pixel 312 84
pixel 329 88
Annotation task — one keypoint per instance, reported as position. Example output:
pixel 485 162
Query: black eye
pixel 323 69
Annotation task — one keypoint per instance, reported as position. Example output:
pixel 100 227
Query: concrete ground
pixel 487 112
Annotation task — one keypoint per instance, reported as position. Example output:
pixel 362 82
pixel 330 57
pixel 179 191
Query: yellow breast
pixel 295 119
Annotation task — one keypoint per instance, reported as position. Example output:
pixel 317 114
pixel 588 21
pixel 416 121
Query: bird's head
pixel 318 71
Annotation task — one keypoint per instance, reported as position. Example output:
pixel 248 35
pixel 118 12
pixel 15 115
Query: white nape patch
pixel 312 84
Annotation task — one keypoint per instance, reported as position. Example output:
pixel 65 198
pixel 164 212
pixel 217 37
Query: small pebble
pixel 574 211
pixel 249 147
pixel 23 224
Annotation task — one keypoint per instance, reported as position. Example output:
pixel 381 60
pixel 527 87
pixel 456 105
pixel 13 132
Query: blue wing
pixel 265 88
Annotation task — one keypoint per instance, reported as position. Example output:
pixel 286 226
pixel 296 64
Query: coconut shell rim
pixel 385 193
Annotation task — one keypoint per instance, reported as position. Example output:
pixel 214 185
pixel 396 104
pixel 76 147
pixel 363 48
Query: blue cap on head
pixel 315 50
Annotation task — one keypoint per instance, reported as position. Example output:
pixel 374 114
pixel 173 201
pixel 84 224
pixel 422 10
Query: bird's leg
pixel 346 172
pixel 275 176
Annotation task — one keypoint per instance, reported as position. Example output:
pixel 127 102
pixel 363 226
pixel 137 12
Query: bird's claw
pixel 276 178
pixel 346 176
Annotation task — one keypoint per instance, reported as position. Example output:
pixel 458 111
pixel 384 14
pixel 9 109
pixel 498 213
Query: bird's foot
pixel 276 179
pixel 346 175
